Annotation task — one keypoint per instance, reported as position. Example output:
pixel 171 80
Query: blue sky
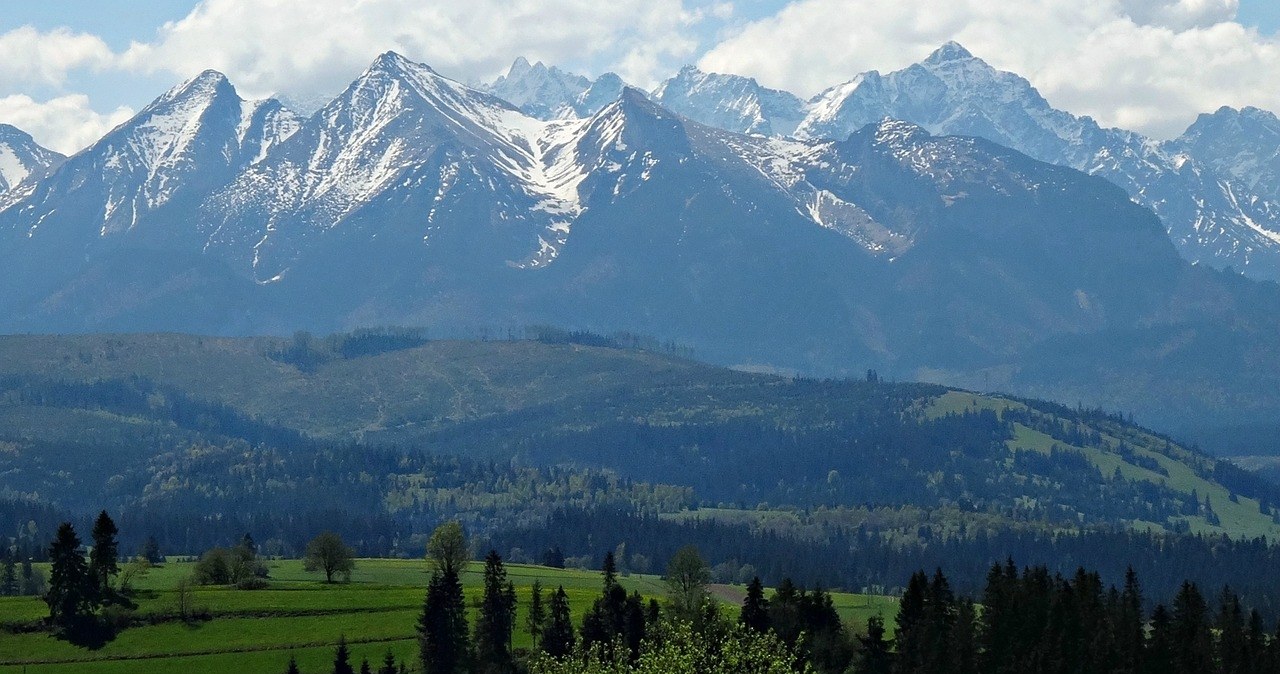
pixel 71 69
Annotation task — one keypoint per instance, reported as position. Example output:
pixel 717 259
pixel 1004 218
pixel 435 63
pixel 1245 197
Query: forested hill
pixel 391 426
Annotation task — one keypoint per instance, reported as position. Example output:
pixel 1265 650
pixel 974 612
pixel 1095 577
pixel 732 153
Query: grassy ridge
pixel 254 631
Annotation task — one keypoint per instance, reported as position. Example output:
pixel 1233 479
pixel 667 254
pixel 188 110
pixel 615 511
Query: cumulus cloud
pixel 67 123
pixel 1150 65
pixel 305 47
pixel 33 57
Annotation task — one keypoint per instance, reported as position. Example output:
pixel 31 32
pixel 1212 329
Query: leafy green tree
pixel 70 597
pixel 536 618
pixel 447 549
pixel 214 567
pixel 675 648
pixel 342 658
pixel 442 628
pixel 496 620
pixel 9 577
pixel 557 636
pixel 755 608
pixel 687 578
pixel 104 557
pixel 328 554
pixel 151 551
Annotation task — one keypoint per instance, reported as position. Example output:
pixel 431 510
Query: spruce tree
pixel 443 642
pixel 497 618
pixel 342 658
pixel 536 619
pixel 292 667
pixel 911 633
pixel 873 649
pixel 1233 646
pixel 755 608
pixel 388 663
pixel 557 637
pixel 104 556
pixel 1160 655
pixel 1129 626
pixel 1191 635
pixel 70 596
pixel 364 666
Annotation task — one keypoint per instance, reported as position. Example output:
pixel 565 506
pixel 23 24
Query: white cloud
pixel 31 57
pixel 306 47
pixel 66 123
pixel 1151 65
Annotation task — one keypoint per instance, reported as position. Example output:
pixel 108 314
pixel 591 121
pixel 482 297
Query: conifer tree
pixel 1233 646
pixel 755 608
pixel 873 655
pixel 1130 628
pixel 910 635
pixel 536 619
pixel 497 618
pixel 292 667
pixel 1191 635
pixel 1160 655
pixel 70 596
pixel 104 556
pixel 364 666
pixel 442 629
pixel 342 658
pixel 388 663
pixel 557 637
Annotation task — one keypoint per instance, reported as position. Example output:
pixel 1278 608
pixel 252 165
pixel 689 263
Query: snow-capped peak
pixel 730 102
pixel 21 157
pixel 951 51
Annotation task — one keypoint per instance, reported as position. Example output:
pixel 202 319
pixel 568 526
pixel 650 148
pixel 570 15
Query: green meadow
pixel 251 631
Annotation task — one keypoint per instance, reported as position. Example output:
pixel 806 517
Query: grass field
pixel 257 630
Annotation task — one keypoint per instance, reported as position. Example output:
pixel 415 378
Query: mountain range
pixel 824 237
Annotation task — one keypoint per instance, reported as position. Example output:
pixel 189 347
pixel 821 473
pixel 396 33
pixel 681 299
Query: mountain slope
pixel 730 436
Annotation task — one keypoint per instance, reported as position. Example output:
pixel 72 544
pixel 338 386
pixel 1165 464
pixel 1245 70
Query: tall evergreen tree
pixel 536 619
pixel 963 640
pixel 604 623
pixel 342 658
pixel 388 663
pixel 497 618
pixel 1129 626
pixel 911 633
pixel 1232 642
pixel 1191 632
pixel 70 596
pixel 755 608
pixel 557 636
pixel 442 629
pixel 292 667
pixel 364 666
pixel 874 656
pixel 1161 650
pixel 104 557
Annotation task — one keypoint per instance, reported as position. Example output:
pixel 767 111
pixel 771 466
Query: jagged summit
pixel 22 160
pixel 951 51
